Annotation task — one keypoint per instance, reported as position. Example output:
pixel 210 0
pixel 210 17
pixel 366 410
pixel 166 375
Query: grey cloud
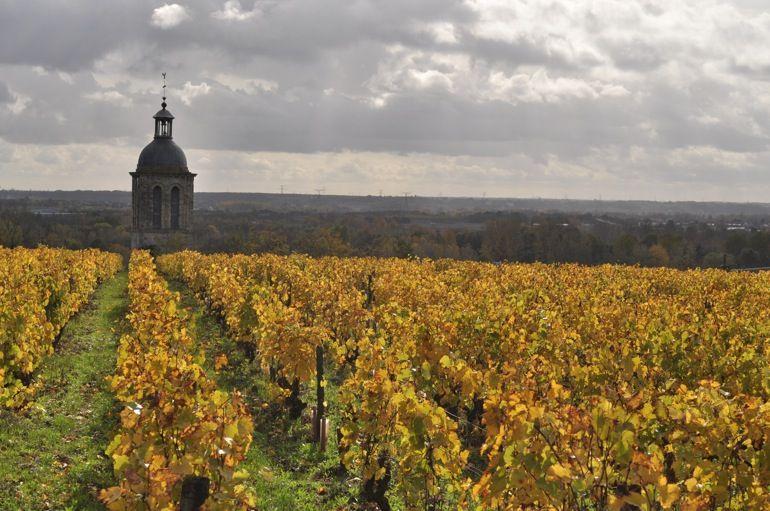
pixel 524 52
pixel 677 112
pixel 58 113
pixel 539 83
pixel 303 31
pixel 635 54
pixel 755 72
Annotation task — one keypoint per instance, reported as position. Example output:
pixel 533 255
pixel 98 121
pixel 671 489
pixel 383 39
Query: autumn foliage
pixel 520 387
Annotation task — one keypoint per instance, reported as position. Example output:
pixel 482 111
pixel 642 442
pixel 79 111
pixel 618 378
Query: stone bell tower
pixel 162 190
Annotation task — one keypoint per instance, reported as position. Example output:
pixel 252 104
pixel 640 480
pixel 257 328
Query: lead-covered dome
pixel 162 154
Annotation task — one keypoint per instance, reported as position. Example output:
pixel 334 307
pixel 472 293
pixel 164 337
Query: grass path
pixel 52 455
pixel 287 471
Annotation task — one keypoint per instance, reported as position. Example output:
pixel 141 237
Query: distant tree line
pixel 527 237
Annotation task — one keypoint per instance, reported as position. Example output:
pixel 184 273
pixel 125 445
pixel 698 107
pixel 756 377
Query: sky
pixel 613 99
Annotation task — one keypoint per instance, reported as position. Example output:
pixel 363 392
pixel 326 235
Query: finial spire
pixel 164 91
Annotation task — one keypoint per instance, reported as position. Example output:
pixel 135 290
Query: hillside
pixel 410 203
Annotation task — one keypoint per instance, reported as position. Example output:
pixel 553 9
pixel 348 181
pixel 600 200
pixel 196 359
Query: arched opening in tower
pixel 157 205
pixel 175 208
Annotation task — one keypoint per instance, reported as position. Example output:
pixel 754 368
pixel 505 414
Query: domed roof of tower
pixel 162 154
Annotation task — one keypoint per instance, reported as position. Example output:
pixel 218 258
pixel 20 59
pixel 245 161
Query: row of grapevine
pixel 175 425
pixel 40 290
pixel 521 386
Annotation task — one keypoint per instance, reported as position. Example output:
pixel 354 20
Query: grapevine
pixel 174 422
pixel 40 290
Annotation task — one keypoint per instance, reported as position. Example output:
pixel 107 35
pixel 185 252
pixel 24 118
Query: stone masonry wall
pixel 143 183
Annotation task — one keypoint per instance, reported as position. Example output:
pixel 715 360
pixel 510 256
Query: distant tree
pixel 625 247
pixel 659 255
pixel 735 243
pixel 748 257
pixel 266 241
pixel 327 241
pixel 11 234
pixel 650 240
pixel 717 259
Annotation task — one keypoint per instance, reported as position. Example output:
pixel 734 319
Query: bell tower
pixel 162 190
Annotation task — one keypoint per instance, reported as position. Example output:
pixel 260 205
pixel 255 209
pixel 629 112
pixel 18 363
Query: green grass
pixel 288 473
pixel 52 454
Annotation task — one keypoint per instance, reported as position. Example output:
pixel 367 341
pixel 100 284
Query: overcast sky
pixel 651 99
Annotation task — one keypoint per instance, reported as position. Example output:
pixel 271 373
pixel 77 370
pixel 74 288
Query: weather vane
pixel 164 90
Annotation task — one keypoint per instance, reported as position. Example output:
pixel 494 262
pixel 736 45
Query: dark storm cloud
pixel 439 123
pixel 66 35
pixel 305 30
pixel 72 35
pixel 5 93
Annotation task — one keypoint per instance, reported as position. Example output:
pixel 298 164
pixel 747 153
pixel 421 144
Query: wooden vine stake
pixel 195 491
pixel 319 411
pixel 324 434
pixel 314 424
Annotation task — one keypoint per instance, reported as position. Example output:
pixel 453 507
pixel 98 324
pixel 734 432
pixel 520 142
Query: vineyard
pixel 436 384
pixel 517 386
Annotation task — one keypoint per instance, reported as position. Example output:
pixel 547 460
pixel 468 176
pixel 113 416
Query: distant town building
pixel 162 190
